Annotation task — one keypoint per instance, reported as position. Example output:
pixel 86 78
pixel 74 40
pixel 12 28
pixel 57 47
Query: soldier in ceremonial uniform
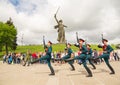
pixel 69 55
pixel 107 49
pixel 48 51
pixel 82 56
pixel 89 55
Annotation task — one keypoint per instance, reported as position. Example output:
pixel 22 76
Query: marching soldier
pixel 107 49
pixel 82 56
pixel 89 55
pixel 69 55
pixel 48 51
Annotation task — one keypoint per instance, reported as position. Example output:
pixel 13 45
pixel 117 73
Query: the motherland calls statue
pixel 61 32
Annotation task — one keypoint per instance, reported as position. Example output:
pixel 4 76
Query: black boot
pixel 52 72
pixel 112 70
pixel 80 63
pixel 73 68
pixel 89 72
pixel 93 66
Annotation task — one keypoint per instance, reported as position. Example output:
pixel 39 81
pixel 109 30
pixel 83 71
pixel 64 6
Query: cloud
pixel 90 18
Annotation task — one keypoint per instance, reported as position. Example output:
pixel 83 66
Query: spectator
pixel 4 58
pixel 10 58
pixel 116 57
pixel 95 55
pixel 34 56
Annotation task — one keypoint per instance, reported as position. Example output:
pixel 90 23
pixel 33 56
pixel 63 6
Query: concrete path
pixel 37 74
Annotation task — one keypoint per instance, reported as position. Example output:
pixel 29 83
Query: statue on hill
pixel 61 32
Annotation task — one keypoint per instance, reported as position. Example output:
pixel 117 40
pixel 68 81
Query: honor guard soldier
pixel 107 49
pixel 89 55
pixel 69 54
pixel 48 51
pixel 82 56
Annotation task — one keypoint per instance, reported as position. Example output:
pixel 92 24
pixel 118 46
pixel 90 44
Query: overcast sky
pixel 90 18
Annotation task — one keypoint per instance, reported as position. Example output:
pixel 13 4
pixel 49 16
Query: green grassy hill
pixel 39 48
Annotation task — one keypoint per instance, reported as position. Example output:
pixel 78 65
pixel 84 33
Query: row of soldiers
pixel 86 53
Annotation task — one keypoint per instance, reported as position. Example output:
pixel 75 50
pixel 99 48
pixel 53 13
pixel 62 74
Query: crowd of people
pixel 19 58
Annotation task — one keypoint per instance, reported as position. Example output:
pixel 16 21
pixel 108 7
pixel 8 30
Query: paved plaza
pixel 37 74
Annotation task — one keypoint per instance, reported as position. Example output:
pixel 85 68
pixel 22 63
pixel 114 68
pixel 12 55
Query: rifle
pixel 77 44
pixel 102 36
pixel 85 42
pixel 77 37
pixel 100 45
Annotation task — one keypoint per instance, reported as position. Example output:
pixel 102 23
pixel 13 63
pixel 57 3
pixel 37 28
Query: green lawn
pixel 39 48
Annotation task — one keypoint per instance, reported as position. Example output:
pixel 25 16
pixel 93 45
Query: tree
pixel 14 46
pixel 0 46
pixel 8 34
